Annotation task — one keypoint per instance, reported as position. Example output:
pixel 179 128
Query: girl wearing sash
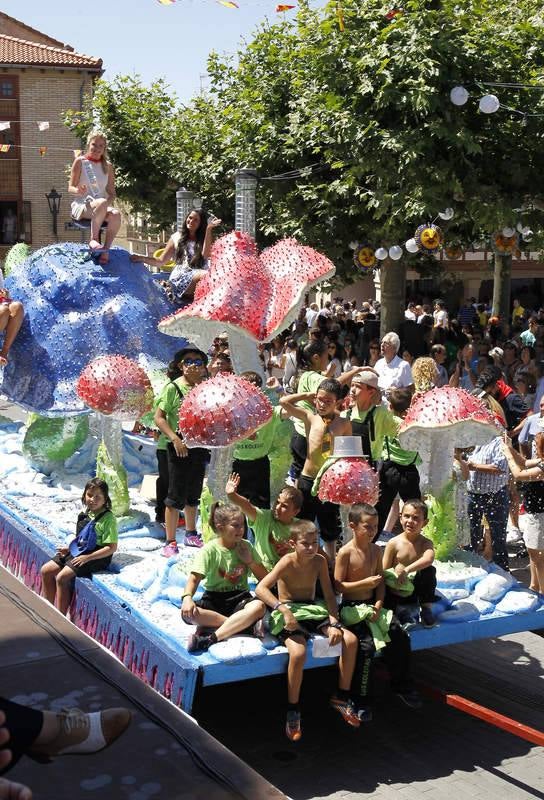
pixel 92 180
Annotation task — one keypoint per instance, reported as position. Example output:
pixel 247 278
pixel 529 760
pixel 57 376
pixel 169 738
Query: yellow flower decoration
pixel 364 258
pixel 428 237
pixel 505 244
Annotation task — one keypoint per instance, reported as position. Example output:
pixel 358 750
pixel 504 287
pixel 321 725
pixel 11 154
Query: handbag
pixel 85 541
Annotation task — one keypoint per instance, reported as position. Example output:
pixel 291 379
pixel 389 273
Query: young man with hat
pixel 186 468
pixel 370 420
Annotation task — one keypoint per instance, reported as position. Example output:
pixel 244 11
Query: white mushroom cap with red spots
pixel 257 295
pixel 115 386
pixel 222 411
pixel 349 480
pixel 447 417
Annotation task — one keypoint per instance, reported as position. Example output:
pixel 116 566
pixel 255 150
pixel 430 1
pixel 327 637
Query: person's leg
pixel 241 620
pixel 12 326
pixel 161 485
pixel 99 209
pixel 389 487
pixel 393 515
pixel 195 469
pixel 496 512
pixel 409 483
pixel 65 588
pixel 299 451
pixel 330 528
pixel 536 560
pixel 113 218
pixel 175 498
pixel 425 585
pixel 49 573
pixel 475 509
pixel 397 655
pixel 206 618
pixel 341 700
pixel 171 519
pixel 361 684
pixel 198 274
pixel 296 647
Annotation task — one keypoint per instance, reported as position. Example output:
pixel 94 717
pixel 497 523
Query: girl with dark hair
pixel 227 606
pixel 191 248
pixel 90 551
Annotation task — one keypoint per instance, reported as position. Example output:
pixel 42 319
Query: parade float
pixel 92 340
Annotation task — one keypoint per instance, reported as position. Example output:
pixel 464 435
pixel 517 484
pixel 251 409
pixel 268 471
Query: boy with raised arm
pixel 271 528
pixel 321 428
pixel 410 555
pixel 359 576
pixel 296 616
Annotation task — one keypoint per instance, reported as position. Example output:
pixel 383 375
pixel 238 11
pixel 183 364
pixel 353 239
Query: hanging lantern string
pixel 524 114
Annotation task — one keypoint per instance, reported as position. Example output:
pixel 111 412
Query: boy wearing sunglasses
pixel 186 467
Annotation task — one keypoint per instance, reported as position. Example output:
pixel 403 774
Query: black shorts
pixel 307 630
pixel 254 480
pixel 327 514
pixel 185 477
pixel 85 570
pixel 225 603
pixel 299 451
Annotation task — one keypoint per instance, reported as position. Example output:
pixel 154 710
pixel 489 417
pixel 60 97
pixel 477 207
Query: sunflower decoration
pixel 428 237
pixel 504 244
pixel 453 252
pixel 364 258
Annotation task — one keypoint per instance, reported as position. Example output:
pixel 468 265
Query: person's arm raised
pixel 248 509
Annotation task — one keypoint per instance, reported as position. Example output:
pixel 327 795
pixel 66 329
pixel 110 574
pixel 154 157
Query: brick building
pixel 40 78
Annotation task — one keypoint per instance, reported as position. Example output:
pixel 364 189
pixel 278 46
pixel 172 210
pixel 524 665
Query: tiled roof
pixel 20 51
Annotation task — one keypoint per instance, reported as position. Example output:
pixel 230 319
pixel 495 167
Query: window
pixel 9 224
pixel 7 89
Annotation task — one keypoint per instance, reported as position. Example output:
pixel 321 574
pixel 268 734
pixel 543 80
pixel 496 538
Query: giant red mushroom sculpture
pixel 439 421
pixel 252 296
pixel 118 389
pixel 218 413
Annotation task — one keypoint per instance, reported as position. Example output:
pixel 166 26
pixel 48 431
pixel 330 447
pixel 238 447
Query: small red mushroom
pixel 349 480
pixel 217 414
pixel 115 386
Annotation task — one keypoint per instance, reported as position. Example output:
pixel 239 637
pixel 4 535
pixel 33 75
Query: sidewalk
pixel 48 663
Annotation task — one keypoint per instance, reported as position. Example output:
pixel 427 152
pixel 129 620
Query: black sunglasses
pixel 193 362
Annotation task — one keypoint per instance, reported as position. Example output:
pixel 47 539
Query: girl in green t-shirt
pixel 224 563
pixel 90 551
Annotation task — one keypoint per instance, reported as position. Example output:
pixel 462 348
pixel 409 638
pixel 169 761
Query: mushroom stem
pixel 243 353
pixel 439 468
pixel 219 471
pixel 112 436
pixel 347 533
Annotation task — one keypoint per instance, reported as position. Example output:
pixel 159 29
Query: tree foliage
pixel 362 115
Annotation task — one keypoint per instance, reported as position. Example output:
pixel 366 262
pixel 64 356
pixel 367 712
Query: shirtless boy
pixel 410 555
pixel 321 428
pixel 359 576
pixel 296 616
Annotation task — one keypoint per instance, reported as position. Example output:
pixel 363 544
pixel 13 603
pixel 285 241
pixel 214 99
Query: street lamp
pixel 53 199
pixel 244 207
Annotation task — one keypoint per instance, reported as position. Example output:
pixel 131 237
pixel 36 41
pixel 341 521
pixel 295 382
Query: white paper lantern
pixel 395 252
pixel 411 246
pixel 489 103
pixel 381 253
pixel 508 232
pixel 448 213
pixel 353 245
pixel 527 234
pixel 459 95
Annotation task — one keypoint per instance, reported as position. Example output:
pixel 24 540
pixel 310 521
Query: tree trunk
pixel 393 294
pixel 501 289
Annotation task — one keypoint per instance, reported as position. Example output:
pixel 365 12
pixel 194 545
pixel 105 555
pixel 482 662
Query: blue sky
pixel 145 37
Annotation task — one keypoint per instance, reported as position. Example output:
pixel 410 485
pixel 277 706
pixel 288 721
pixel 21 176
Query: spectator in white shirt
pixel 440 315
pixel 311 314
pixel 410 312
pixel 392 370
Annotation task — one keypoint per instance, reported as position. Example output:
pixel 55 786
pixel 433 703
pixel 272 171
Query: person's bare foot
pixel 104 257
pixel 3 359
pixel 14 791
pixel 94 245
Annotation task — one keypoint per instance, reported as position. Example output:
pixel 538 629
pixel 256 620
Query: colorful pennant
pixel 228 3
pixel 4 126
pixel 5 148
pixel 42 151
pixel 43 126
pixel 280 8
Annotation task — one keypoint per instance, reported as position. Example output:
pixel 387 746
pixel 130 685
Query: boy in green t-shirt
pixel 224 563
pixel 271 528
pixel 399 473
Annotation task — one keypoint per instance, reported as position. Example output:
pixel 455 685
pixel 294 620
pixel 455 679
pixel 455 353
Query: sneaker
pixel 346 710
pixel 407 616
pixel 427 618
pixel 193 540
pixel 199 642
pixel 293 727
pixel 365 714
pixel 170 549
pixel 410 697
